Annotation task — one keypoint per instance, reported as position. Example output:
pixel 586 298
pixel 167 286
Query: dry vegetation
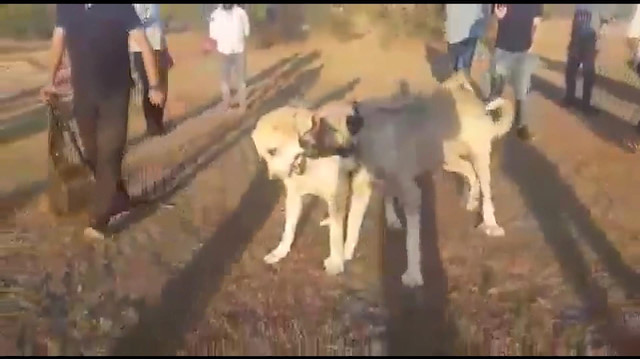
pixel 186 276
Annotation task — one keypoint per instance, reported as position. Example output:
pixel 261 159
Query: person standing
pixel 517 25
pixel 96 37
pixel 633 39
pixel 229 28
pixel 464 25
pixel 588 20
pixel 149 15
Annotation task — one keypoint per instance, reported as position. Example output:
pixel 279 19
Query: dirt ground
pixel 185 275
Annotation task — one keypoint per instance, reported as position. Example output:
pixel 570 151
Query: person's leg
pixel 454 50
pixel 522 69
pixel 571 72
pixel 225 78
pixel 467 55
pixel 85 112
pixel 111 141
pixel 241 71
pixel 500 68
pixel 152 113
pixel 588 57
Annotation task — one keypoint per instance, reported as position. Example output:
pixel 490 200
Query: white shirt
pixel 149 15
pixel 634 25
pixel 229 28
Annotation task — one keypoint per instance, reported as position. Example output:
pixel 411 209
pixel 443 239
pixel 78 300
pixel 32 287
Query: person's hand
pixel 501 11
pixel 48 92
pixel 156 96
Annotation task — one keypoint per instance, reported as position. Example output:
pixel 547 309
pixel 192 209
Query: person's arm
pixel 57 50
pixel 536 23
pixel 245 23
pixel 137 35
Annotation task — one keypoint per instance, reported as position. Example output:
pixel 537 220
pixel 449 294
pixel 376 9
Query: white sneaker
pixel 92 233
pixel 494 104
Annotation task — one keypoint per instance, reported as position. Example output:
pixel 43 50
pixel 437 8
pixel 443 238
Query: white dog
pixel 276 138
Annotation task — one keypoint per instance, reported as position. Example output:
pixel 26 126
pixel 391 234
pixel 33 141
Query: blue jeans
pixel 462 54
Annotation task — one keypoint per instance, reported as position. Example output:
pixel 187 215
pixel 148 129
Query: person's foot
pixel 94 233
pixel 494 103
pixel 524 134
pixel 590 110
pixel 159 131
pixel 568 102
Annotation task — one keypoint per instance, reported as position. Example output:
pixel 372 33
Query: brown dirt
pixel 182 276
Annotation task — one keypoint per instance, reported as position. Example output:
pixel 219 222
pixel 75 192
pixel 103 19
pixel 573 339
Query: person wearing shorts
pixel 512 58
pixel 229 28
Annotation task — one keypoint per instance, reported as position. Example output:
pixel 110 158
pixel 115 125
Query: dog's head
pixel 333 129
pixel 277 140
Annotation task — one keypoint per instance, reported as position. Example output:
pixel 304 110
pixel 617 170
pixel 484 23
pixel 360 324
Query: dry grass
pixel 500 294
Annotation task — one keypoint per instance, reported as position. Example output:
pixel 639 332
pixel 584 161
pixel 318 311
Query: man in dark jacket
pixel 96 38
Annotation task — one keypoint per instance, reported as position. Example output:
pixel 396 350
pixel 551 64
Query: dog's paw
pixel 472 204
pixel 333 266
pixel 325 222
pixel 411 279
pixel 348 253
pixel 492 230
pixel 275 256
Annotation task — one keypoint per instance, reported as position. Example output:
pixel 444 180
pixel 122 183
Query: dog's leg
pixel 481 162
pixel 390 213
pixel 457 165
pixel 411 201
pixel 334 264
pixel 454 163
pixel 293 208
pixel 361 193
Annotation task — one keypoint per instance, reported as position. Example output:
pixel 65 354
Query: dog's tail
pixel 502 116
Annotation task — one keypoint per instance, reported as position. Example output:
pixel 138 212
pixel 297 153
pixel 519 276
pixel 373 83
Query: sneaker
pixel 494 104
pixel 524 134
pixel 93 233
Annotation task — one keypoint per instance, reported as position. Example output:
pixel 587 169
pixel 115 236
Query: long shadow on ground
pixel 19 198
pixel 161 329
pixel 418 323
pixel 565 221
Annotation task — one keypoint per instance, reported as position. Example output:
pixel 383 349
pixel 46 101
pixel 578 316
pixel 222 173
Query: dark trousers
pixel 102 122
pixel 462 54
pixel 153 114
pixel 582 50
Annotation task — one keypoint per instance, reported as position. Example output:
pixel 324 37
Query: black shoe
pixel 590 110
pixel 524 134
pixel 568 102
pixel 157 131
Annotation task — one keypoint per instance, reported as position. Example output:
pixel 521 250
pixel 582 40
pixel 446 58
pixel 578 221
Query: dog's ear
pixel 356 107
pixel 355 121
